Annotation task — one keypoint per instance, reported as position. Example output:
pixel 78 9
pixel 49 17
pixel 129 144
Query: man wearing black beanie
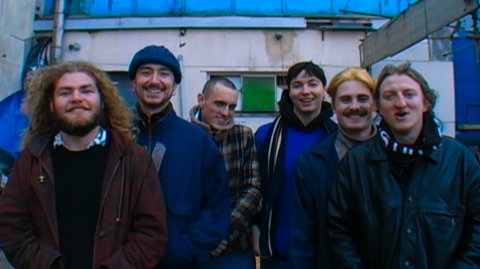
pixel 190 166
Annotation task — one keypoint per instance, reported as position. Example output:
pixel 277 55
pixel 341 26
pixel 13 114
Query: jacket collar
pixel 217 136
pixel 326 147
pixel 378 152
pixel 38 145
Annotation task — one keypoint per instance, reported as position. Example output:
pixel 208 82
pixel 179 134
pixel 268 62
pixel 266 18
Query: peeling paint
pixel 278 51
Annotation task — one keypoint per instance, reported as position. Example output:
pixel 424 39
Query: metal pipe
pixel 58 27
pixel 181 92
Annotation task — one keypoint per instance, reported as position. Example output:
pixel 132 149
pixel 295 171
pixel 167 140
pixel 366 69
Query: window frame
pixel 241 75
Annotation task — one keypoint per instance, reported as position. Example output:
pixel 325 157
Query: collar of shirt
pixel 99 140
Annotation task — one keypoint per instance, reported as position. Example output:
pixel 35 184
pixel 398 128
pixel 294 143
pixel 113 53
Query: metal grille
pixel 413 25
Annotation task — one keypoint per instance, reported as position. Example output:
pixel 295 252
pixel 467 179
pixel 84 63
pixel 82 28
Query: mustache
pixel 77 107
pixel 356 112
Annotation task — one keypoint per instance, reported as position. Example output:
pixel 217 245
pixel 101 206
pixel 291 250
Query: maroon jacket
pixel 131 229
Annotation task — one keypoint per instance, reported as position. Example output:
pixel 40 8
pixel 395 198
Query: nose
pixel 400 102
pixel 225 112
pixel 155 79
pixel 76 96
pixel 306 89
pixel 355 104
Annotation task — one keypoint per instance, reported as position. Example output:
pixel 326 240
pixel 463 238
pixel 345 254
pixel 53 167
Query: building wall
pixel 16 33
pixel 205 51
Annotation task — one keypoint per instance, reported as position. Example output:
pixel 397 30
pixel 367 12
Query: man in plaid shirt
pixel 215 114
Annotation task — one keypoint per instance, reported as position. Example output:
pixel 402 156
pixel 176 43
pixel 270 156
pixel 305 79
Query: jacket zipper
pixel 149 128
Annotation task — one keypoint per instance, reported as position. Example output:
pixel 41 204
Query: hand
pixel 220 249
pixel 256 240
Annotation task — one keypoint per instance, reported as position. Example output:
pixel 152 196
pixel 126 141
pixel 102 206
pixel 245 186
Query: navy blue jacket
pixel 270 190
pixel 195 185
pixel 315 169
pixel 14 123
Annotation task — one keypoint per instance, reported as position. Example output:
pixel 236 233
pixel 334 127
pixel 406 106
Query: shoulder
pixel 189 130
pixel 450 147
pixel 263 130
pixel 242 129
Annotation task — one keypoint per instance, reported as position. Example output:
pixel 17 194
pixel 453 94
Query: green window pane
pixel 258 94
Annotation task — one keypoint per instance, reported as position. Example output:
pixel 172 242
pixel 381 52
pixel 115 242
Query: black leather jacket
pixel 434 225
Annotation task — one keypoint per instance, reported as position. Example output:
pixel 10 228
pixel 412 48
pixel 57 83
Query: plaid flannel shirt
pixel 240 154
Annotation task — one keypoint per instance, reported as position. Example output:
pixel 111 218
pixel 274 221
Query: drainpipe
pixel 181 92
pixel 58 25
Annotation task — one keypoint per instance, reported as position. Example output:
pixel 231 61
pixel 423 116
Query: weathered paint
pixel 106 8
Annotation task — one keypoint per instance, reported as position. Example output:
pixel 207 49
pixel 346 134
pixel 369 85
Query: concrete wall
pixel 16 32
pixel 220 51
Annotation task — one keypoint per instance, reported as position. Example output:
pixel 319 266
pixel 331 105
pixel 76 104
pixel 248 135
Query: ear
pixel 133 86
pixel 426 105
pixel 201 100
pixel 175 87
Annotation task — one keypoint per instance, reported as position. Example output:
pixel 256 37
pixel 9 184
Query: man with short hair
pixel 305 119
pixel 408 198
pixel 351 92
pixel 215 114
pixel 82 194
pixel 191 167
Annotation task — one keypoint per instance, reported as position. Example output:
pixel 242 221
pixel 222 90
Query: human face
pixel 76 104
pixel 402 105
pixel 307 93
pixel 218 109
pixel 154 86
pixel 354 106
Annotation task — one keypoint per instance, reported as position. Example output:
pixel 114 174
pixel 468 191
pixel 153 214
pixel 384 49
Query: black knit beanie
pixel 155 55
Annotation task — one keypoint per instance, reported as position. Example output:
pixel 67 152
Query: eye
pixel 145 73
pixel 363 99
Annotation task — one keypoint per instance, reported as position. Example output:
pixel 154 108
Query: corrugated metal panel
pixel 256 7
pixel 393 8
pixel 308 6
pixel 208 7
pixel 372 7
pixel 160 7
pixel 465 70
pixel 102 8
pixel 76 7
pixel 111 8
pixel 48 7
pixel 124 86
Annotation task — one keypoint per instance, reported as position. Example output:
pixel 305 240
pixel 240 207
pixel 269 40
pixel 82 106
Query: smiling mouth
pixel 306 101
pixel 77 109
pixel 153 90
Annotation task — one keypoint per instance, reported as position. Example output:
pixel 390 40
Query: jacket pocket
pixel 181 209
pixel 442 226
pixel 443 218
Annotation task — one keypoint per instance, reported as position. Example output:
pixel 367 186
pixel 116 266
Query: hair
pixel 36 104
pixel 351 73
pixel 211 83
pixel 429 94
pixel 310 68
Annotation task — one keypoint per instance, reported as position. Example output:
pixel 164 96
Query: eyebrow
pixel 81 87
